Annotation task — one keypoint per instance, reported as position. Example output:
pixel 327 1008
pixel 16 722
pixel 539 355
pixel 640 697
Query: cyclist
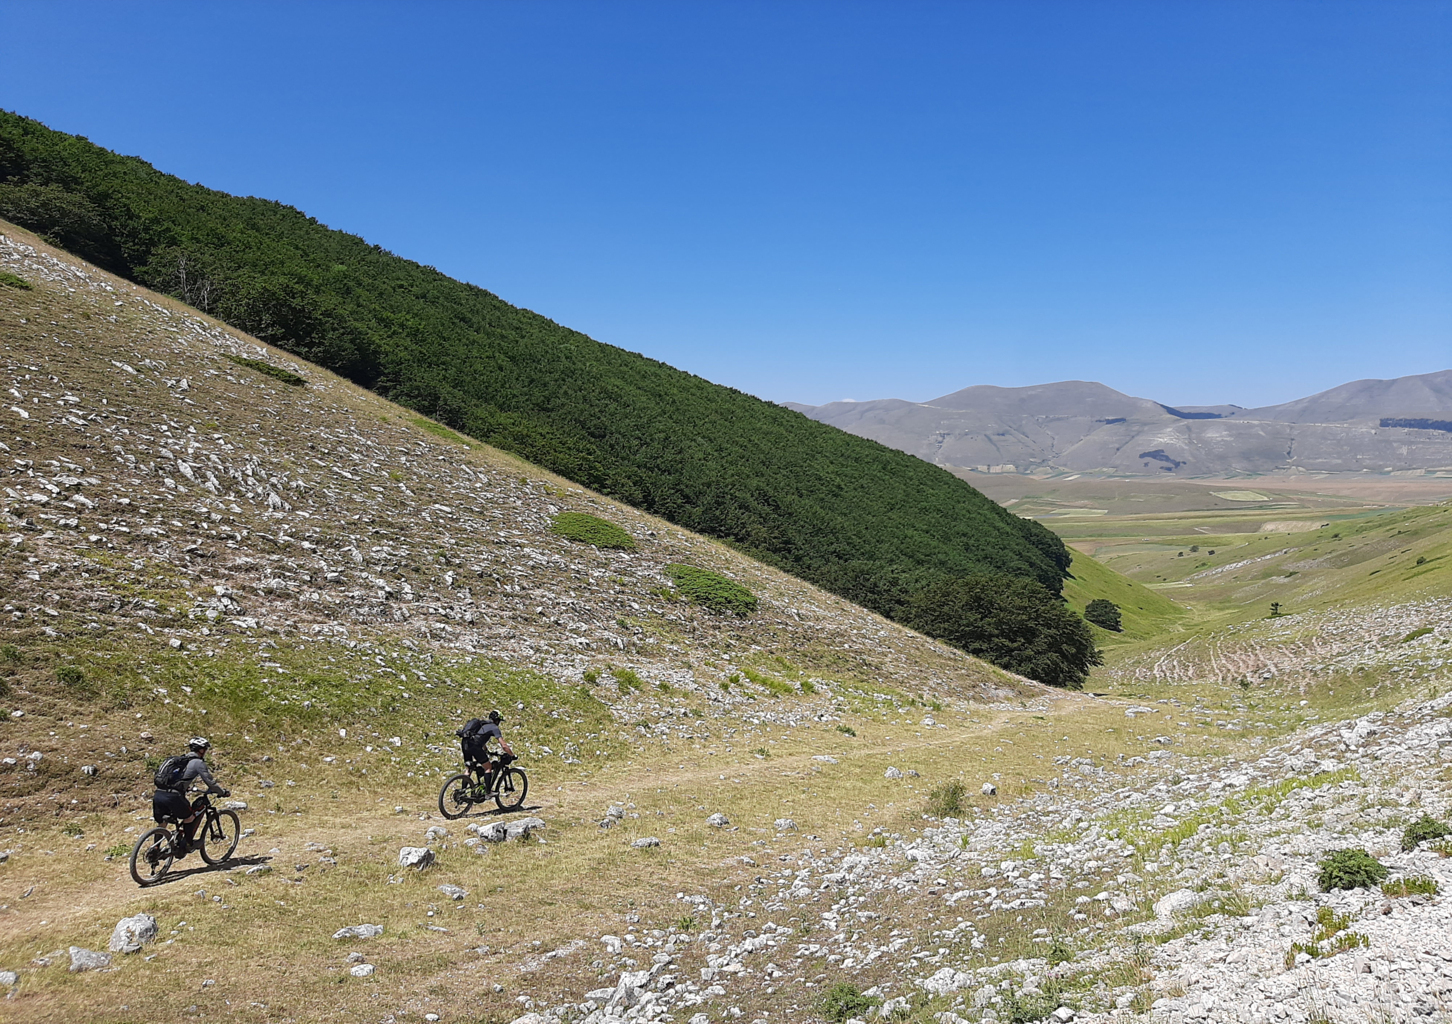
pixel 474 739
pixel 174 779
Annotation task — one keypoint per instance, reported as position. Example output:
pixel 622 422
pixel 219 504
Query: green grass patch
pixel 438 430
pixel 14 281
pixel 627 679
pixel 588 529
pixel 1410 885
pixel 1415 634
pixel 712 590
pixel 275 372
pixel 843 1001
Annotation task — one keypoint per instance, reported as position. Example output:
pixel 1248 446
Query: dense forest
pixel 865 521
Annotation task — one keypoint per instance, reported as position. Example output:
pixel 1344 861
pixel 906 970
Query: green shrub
pixel 1410 885
pixel 1423 829
pixel 71 676
pixel 1415 634
pixel 14 281
pixel 10 654
pixel 119 850
pixel 591 675
pixel 808 686
pixel 843 1001
pixel 712 590
pixel 847 730
pixel 1104 614
pixel 588 529
pixel 1060 952
pixel 275 372
pixel 946 799
pixel 1351 868
pixel 627 679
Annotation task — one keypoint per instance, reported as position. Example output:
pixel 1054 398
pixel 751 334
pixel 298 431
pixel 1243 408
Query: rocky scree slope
pixel 160 500
pixel 1172 888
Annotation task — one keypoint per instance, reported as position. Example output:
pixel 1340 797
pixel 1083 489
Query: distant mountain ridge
pixel 1396 425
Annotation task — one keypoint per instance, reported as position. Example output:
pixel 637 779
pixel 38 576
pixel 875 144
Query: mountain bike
pixel 506 788
pixel 157 848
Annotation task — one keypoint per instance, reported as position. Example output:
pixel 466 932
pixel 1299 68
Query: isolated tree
pixel 1008 620
pixel 1104 614
pixel 1275 609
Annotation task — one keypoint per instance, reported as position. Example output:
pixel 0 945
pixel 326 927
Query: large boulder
pixel 499 831
pixel 132 933
pixel 417 857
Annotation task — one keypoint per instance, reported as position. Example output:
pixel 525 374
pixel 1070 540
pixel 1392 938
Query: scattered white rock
pixel 718 820
pixel 362 970
pixel 892 773
pixel 646 841
pixel 417 857
pixel 453 892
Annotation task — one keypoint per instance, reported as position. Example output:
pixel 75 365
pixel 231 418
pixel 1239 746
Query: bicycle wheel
pixel 512 787
pixel 151 857
pixel 457 796
pixel 219 836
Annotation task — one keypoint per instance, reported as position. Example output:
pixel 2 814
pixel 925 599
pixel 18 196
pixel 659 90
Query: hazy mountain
pixel 1426 394
pixel 1369 425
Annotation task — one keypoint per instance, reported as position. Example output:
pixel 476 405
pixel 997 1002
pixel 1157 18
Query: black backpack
pixel 470 728
pixel 169 772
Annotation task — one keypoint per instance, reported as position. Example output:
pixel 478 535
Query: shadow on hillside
pixel 495 812
pixel 203 868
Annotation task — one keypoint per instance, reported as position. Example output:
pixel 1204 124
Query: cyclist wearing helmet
pixel 474 740
pixel 170 802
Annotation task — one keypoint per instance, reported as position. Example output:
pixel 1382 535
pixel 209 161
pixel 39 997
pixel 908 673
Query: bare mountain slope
pixel 1078 426
pixel 1424 395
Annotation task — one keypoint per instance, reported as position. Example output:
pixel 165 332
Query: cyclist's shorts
pixel 169 806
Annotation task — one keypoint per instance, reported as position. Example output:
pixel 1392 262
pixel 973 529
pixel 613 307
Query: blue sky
pixel 1193 202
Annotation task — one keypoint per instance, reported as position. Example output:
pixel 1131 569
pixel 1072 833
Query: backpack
pixel 169 772
pixel 469 728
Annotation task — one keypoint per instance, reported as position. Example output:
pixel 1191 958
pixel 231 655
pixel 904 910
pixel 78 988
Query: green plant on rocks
pixel 946 799
pixel 588 529
pixel 712 590
pixel 1422 830
pixel 1351 868
pixel 1410 885
pixel 844 1001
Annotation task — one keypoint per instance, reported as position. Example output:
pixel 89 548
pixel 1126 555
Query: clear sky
pixel 1192 202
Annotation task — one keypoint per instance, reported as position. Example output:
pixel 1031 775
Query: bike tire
pixel 513 785
pixel 457 796
pixel 152 856
pixel 219 837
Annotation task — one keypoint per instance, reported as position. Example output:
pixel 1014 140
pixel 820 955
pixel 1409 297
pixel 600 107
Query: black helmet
pixel 200 744
pixel 495 717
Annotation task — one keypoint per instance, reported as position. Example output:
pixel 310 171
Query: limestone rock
pixel 417 857
pixel 359 931
pixel 131 933
pixel 88 960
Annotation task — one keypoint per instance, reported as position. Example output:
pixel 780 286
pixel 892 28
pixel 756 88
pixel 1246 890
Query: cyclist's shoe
pixel 184 847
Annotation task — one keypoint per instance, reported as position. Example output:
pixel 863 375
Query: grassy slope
pixel 1145 613
pixel 330 654
pixel 349 633
pixel 865 521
